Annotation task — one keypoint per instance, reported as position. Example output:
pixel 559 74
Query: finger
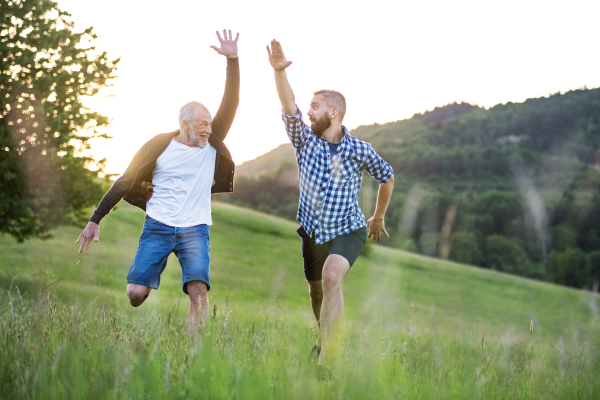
pixel 225 34
pixel 87 246
pixel 215 48
pixel 81 245
pixel 274 45
pixel 230 37
pixel 278 46
pixel 237 36
pixel 378 238
pixel 386 234
pixel 220 38
pixel 97 236
pixel 78 239
pixel 370 233
pixel 269 50
pixel 287 64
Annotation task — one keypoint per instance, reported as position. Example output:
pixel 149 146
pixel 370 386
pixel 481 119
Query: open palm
pixel 276 56
pixel 229 46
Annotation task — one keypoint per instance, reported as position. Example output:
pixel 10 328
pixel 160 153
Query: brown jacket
pixel 135 185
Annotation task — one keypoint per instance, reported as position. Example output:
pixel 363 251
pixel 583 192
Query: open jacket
pixel 135 185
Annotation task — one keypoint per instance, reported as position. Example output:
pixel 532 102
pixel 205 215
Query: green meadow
pixel 415 327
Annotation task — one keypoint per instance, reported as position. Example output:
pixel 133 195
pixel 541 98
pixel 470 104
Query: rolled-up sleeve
pixel 296 128
pixel 377 167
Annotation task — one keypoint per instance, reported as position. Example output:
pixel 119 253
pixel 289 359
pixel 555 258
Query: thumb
pixel 287 64
pixel 215 48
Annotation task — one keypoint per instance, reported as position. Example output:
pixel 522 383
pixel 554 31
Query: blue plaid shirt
pixel 329 185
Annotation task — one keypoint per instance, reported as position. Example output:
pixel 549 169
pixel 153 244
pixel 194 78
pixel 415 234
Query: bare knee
pixel 333 273
pixel 198 291
pixel 331 281
pixel 137 294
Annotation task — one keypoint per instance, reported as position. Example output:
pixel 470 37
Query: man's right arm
pixel 284 89
pixel 110 199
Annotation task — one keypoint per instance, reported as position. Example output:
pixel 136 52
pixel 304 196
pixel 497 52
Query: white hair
pixel 189 111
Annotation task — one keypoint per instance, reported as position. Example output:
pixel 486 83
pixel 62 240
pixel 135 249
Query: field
pixel 67 329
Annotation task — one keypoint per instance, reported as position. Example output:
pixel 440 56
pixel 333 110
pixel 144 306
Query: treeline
pixel 516 185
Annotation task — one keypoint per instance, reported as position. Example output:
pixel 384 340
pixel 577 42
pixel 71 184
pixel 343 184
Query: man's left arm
pixel 376 223
pixel 231 98
pixel 384 174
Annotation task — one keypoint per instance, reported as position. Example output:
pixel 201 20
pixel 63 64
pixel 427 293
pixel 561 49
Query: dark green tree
pixel 464 248
pixel 47 69
pixel 569 267
pixel 506 255
pixel 594 267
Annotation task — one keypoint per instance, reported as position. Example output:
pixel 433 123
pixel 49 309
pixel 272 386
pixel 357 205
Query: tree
pixel 47 70
pixel 594 267
pixel 464 248
pixel 569 267
pixel 506 255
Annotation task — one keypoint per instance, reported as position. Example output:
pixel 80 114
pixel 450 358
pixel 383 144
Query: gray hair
pixel 334 99
pixel 189 111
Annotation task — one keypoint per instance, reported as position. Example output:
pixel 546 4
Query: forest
pixel 513 187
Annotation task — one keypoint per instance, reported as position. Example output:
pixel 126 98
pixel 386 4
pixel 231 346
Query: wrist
pixel 232 56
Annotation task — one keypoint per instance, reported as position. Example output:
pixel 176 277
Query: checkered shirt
pixel 329 185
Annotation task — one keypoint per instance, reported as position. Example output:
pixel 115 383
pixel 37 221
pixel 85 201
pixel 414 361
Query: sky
pixel 390 59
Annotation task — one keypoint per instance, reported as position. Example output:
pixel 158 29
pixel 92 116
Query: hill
pixel 468 334
pixel 522 177
pixel 255 257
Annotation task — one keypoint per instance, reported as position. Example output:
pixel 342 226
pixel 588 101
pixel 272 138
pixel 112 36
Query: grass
pixel 80 339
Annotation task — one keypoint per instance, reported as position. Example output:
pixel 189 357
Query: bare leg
pixel 315 290
pixel 137 294
pixel 334 270
pixel 198 292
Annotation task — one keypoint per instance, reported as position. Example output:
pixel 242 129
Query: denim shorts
pixel 191 245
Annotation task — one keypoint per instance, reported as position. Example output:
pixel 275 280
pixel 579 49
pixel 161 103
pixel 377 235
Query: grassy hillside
pixel 255 261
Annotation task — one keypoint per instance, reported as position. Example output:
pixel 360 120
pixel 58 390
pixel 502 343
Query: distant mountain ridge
pixel 523 177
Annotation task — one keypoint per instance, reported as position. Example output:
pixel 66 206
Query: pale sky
pixel 390 59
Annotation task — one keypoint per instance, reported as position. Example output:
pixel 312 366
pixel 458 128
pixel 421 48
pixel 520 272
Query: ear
pixel 334 113
pixel 185 125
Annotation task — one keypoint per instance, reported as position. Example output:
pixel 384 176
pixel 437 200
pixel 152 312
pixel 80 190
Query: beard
pixel 197 139
pixel 321 125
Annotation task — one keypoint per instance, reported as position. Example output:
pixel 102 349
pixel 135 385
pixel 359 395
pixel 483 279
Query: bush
pixel 410 246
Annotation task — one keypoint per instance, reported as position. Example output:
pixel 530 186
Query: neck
pixel 184 138
pixel 334 133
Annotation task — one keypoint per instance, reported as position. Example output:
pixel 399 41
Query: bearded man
pixel 330 165
pixel 171 178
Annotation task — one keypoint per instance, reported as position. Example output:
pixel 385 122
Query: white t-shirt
pixel 182 180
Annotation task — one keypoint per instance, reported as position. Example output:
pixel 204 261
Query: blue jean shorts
pixel 191 245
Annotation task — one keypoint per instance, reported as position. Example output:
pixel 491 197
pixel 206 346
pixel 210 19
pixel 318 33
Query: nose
pixel 208 129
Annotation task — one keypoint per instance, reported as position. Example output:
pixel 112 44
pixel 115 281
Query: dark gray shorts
pixel 348 246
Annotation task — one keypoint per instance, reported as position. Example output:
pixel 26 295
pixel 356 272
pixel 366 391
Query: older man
pixel 330 164
pixel 172 177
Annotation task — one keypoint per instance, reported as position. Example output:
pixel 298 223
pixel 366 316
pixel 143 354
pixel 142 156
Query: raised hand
pixel 276 56
pixel 228 46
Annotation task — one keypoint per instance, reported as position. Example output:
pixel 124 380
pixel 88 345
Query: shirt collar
pixel 346 150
